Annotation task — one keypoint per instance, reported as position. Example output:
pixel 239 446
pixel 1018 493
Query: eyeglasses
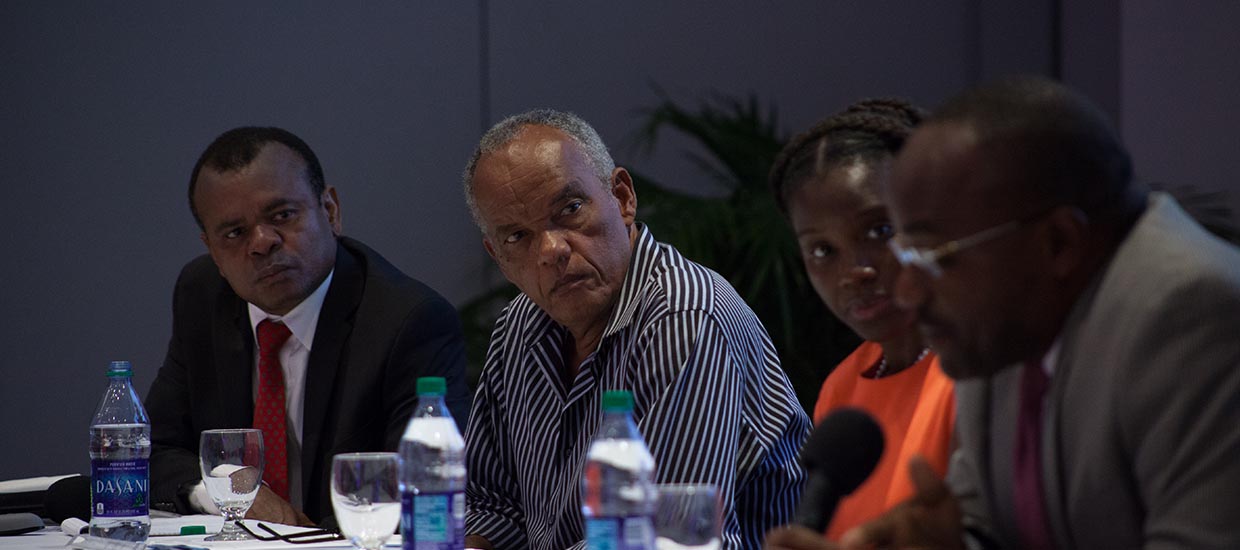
pixel 927 259
pixel 302 537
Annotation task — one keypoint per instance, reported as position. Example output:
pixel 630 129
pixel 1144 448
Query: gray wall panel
pixel 1180 92
pixel 808 58
pixel 104 108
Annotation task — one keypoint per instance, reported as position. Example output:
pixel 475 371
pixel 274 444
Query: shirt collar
pixel 645 257
pixel 641 268
pixel 302 320
pixel 1052 357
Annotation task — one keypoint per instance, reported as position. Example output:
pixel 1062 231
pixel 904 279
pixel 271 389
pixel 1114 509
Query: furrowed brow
pixel 277 203
pixel 573 189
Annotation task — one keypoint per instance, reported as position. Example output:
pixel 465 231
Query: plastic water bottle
pixel 432 480
pixel 120 445
pixel 618 484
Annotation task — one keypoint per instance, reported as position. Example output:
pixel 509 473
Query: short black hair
pixel 237 148
pixel 1063 149
pixel 870 130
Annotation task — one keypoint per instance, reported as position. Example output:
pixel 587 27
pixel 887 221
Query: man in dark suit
pixel 289 327
pixel 1091 327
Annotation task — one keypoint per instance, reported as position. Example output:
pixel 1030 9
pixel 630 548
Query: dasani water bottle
pixel 432 474
pixel 618 485
pixel 120 445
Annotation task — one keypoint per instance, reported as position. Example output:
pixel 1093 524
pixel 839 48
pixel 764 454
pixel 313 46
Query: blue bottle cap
pixel 120 368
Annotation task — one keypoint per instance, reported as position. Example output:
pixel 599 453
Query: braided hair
pixel 869 130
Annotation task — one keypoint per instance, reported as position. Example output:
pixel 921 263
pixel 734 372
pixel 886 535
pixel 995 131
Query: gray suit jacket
pixel 1141 426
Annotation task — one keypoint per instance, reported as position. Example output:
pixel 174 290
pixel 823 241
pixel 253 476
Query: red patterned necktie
pixel 269 405
pixel 1027 460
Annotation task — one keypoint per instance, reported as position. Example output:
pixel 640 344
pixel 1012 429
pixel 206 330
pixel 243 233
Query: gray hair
pixel 508 129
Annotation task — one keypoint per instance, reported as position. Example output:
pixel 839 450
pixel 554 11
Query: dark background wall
pixel 105 106
pixel 1180 92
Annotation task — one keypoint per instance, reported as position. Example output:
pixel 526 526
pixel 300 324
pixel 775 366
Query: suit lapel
pixel 970 476
pixel 1057 414
pixel 326 359
pixel 1052 481
pixel 1003 403
pixel 234 356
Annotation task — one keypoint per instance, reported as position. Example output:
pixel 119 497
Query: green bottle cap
pixel 120 368
pixel 432 385
pixel 617 401
pixel 193 530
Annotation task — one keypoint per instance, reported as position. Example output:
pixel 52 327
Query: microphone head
pixel 845 447
pixel 68 498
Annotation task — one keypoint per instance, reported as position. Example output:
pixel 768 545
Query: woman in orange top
pixel 828 181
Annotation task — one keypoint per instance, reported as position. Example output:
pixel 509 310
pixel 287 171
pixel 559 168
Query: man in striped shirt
pixel 606 306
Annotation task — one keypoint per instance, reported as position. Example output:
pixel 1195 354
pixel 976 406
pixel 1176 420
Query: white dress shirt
pixel 302 322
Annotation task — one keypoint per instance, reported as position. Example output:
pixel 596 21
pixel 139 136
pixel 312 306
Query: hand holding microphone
pixel 931 518
pixel 839 455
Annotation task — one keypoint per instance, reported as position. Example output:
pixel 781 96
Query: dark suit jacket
pixel 377 333
pixel 1141 427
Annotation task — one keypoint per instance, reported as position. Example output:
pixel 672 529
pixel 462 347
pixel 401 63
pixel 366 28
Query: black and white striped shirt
pixel 709 397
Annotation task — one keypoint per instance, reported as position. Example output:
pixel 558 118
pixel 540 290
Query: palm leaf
pixel 743 236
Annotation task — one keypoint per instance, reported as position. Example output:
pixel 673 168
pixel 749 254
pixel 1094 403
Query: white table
pixel 53 538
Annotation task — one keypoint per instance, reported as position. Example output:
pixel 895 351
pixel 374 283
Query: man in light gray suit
pixel 1093 328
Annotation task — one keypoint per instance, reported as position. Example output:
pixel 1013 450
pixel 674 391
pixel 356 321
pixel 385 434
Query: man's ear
pixel 331 205
pixel 1066 240
pixel 622 189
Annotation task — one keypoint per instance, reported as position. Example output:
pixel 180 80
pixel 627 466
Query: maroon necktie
pixel 269 405
pixel 1027 462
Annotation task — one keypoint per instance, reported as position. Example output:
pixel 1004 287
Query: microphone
pixel 68 498
pixel 839 456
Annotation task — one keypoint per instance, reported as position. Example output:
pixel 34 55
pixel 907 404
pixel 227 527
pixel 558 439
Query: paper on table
pixel 160 527
pixel 197 540
pixel 30 484
pixel 72 526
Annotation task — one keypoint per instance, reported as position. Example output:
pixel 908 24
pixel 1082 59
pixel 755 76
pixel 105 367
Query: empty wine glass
pixel 366 497
pixel 687 516
pixel 232 470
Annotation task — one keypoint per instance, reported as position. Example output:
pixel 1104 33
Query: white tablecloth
pixel 53 538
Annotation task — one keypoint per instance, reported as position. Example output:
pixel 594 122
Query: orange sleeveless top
pixel 916 409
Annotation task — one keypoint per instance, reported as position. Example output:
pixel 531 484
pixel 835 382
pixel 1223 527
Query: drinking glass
pixel 687 516
pixel 366 497
pixel 232 470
